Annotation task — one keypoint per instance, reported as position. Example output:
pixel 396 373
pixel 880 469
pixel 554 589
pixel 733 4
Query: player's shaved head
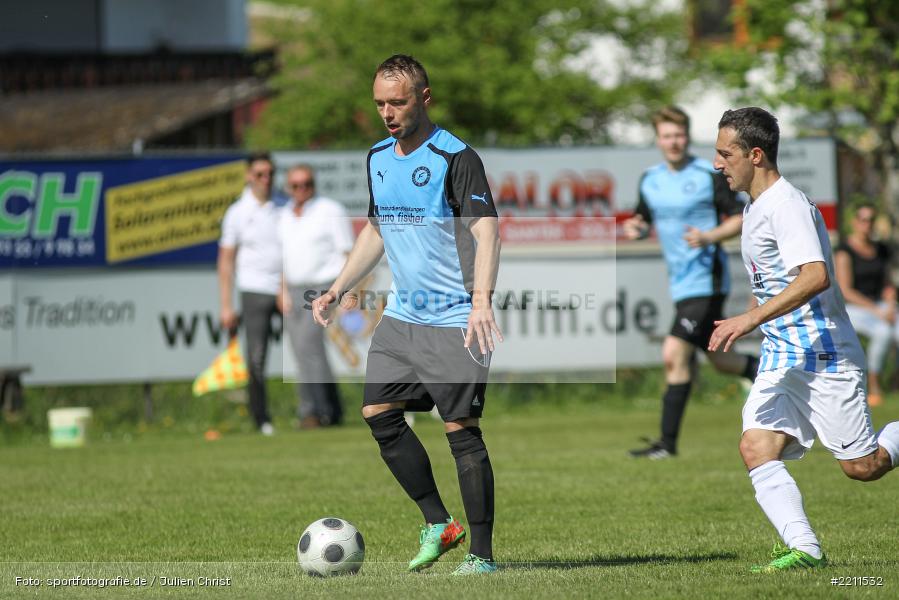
pixel 403 65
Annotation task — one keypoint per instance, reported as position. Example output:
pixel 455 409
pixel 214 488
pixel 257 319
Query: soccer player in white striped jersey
pixel 811 375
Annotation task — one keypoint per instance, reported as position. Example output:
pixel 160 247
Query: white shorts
pixel 802 404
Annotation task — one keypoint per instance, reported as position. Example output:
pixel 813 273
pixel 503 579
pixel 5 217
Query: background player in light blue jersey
pixel 810 382
pixel 432 213
pixel 684 198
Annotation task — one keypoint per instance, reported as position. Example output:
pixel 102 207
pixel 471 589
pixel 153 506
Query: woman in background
pixel 863 272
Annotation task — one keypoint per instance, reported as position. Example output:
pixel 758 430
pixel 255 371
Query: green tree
pixel 837 59
pixel 502 72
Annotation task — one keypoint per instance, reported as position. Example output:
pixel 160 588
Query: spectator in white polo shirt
pixel 250 258
pixel 316 237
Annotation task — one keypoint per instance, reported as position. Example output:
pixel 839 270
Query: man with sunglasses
pixel 316 238
pixel 249 259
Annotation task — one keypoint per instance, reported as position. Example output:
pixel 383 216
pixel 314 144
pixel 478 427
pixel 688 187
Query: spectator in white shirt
pixel 316 237
pixel 249 259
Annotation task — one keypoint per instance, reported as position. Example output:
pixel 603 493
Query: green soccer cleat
pixel 783 559
pixel 475 565
pixel 435 540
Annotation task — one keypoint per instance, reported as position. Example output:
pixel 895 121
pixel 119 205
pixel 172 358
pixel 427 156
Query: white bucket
pixel 68 426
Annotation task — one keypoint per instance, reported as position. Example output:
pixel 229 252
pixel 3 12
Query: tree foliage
pixel 502 72
pixel 838 59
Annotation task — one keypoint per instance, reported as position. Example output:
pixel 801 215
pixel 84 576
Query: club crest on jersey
pixel 421 176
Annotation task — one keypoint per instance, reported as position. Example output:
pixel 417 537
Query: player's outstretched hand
pixel 695 238
pixel 321 308
pixel 481 325
pixel 729 331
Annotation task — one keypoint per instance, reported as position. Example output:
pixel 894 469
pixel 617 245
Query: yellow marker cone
pixel 227 371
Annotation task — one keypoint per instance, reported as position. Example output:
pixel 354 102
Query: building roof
pixel 114 118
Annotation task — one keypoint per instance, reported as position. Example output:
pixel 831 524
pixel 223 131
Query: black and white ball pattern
pixel 331 546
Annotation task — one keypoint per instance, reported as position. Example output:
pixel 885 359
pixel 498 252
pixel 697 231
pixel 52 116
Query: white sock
pixel 888 438
pixel 778 495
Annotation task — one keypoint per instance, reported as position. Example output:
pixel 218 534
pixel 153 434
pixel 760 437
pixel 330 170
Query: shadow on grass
pixel 616 561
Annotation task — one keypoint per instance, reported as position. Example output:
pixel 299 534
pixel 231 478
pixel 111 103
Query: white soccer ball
pixel 331 546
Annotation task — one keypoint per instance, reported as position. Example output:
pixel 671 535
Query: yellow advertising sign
pixel 171 212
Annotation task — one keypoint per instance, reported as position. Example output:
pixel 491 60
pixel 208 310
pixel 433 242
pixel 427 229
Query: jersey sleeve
pixel 230 233
pixel 468 190
pixel 372 207
pixel 794 222
pixel 371 194
pixel 726 201
pixel 642 206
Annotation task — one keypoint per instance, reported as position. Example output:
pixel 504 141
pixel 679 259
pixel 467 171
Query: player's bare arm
pixel 727 229
pixel 481 322
pixel 888 296
pixel 366 253
pixel 225 267
pixel 811 281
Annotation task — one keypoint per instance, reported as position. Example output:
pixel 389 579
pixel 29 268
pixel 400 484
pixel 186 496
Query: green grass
pixel 575 516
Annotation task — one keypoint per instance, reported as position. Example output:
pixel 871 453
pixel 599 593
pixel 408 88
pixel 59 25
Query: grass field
pixel 575 516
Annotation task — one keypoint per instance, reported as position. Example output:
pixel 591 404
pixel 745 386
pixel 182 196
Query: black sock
pixel 674 403
pixel 752 367
pixel 476 484
pixel 408 461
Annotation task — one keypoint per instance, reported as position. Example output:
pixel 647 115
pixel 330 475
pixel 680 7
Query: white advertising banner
pixel 78 326
pixel 564 302
pixel 581 313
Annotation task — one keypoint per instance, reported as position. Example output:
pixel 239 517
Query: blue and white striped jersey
pixel 783 230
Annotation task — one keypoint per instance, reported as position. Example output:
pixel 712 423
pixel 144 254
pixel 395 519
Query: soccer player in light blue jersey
pixel 684 199
pixel 811 380
pixel 431 212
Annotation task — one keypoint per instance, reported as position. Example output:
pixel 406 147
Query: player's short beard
pixel 406 132
pixel 412 129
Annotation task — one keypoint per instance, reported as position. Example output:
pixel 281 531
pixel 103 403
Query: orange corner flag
pixel 227 371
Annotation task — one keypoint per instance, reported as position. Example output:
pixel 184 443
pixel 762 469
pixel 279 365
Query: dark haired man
pixel 249 259
pixel 811 380
pixel 433 215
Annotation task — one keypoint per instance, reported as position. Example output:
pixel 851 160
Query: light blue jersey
pixel 692 196
pixel 423 204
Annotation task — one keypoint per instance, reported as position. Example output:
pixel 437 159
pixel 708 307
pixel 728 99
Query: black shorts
pixel 424 367
pixel 694 319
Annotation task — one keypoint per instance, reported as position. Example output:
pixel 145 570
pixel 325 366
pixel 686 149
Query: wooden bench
pixel 12 398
